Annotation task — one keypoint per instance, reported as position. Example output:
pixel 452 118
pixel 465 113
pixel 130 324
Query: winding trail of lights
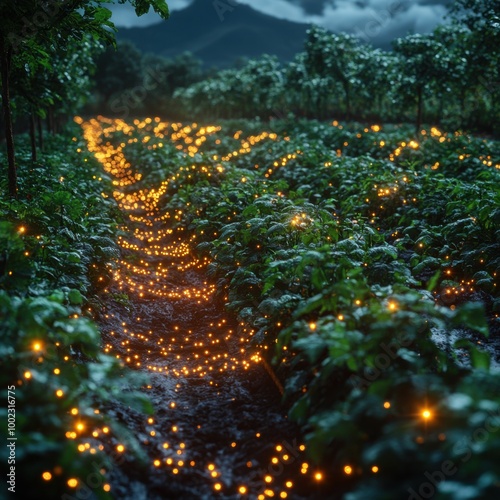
pixel 218 430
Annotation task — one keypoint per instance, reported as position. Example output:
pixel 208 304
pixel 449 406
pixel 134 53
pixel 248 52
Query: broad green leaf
pixel 75 297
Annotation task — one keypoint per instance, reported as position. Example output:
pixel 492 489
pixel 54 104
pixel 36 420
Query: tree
pixel 462 76
pixel 252 90
pixel 423 62
pixel 481 17
pixel 336 58
pixel 482 20
pixel 118 70
pixel 54 90
pixel 164 76
pixel 31 28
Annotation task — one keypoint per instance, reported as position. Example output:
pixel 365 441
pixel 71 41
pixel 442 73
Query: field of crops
pixel 284 283
pixel 361 263
pixel 289 309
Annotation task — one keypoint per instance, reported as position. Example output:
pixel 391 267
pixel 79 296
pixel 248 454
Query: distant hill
pixel 219 40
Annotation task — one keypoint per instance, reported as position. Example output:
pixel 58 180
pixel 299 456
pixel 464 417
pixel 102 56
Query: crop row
pixel 344 254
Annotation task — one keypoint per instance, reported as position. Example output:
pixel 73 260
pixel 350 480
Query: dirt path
pixel 219 429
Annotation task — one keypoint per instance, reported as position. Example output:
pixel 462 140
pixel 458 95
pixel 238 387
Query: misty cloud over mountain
pixel 376 21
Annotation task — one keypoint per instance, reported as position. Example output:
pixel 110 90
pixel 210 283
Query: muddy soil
pixel 220 428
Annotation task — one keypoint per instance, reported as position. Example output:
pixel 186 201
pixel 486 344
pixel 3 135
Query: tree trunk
pixel 40 132
pixel 50 121
pixel 5 58
pixel 420 106
pixel 380 111
pixel 347 100
pixel 32 136
pixel 463 108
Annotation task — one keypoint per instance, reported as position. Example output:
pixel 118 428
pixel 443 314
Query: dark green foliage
pixel 344 253
pixel 45 54
pixel 57 250
pixel 448 77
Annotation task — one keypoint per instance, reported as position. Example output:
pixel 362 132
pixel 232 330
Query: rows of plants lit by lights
pixel 158 264
pixel 57 251
pixel 343 251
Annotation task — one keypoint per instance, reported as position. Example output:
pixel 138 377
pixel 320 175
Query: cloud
pixel 124 15
pixel 283 9
pixel 381 21
pixel 374 21
pixel 312 6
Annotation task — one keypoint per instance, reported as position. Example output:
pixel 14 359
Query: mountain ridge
pixel 219 32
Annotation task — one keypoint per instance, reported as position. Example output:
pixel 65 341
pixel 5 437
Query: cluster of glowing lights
pixel 163 247
pixel 142 206
pixel 148 278
pixel 155 252
pixel 301 220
